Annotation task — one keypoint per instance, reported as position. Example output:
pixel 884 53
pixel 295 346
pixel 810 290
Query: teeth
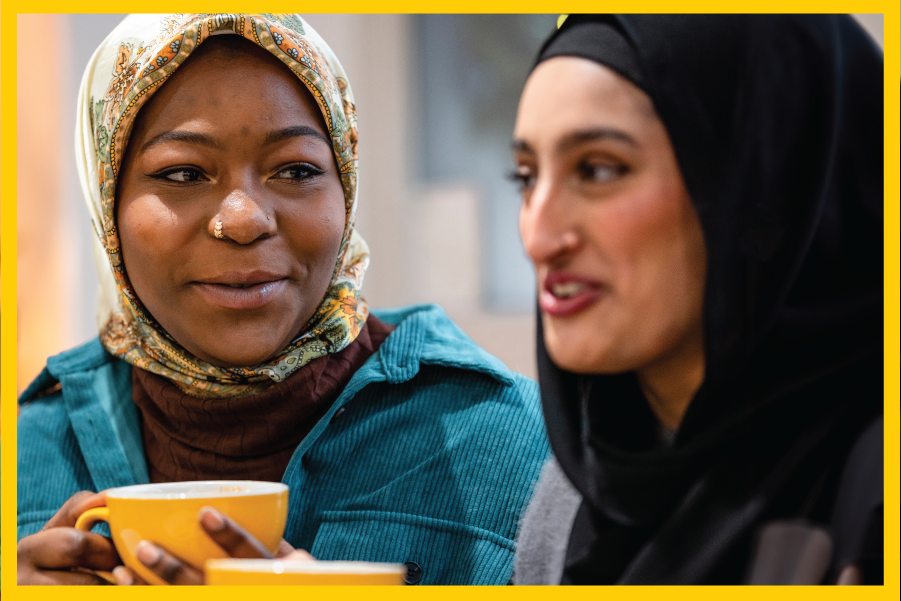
pixel 567 290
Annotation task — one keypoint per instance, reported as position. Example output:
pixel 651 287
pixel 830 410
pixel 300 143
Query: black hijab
pixel 776 122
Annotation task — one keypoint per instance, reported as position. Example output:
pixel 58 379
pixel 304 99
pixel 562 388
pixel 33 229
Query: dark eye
pixel 524 177
pixel 298 172
pixel 600 172
pixel 181 175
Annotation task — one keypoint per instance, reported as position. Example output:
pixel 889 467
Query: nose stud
pixel 217 231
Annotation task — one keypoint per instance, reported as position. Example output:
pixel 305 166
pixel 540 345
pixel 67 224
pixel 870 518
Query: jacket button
pixel 414 573
pixel 340 411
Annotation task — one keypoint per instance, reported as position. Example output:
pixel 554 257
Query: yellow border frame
pixel 892 79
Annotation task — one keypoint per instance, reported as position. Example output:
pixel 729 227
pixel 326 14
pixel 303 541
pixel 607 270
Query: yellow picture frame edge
pixel 8 98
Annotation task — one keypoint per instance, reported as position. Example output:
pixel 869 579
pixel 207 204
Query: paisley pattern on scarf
pixel 131 65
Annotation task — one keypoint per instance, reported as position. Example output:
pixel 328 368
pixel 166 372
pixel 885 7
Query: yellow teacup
pixel 167 514
pixel 274 571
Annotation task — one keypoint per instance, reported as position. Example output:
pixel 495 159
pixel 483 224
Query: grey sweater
pixel 544 531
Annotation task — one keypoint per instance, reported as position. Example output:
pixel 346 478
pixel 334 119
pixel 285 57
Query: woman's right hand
pixel 61 554
pixel 230 536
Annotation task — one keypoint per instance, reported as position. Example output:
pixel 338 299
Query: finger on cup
pixel 165 566
pixel 77 504
pixel 284 548
pixel 123 576
pixel 233 539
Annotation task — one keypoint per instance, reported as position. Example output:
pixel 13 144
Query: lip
pixel 259 288
pixel 555 306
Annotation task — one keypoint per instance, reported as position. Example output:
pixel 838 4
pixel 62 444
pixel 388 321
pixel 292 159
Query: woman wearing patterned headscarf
pixel 218 159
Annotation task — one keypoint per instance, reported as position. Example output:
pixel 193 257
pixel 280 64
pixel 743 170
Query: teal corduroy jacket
pixel 428 457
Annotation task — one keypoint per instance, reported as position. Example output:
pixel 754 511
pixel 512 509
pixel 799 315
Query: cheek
pixel 315 233
pixel 658 263
pixel 149 234
pixel 146 219
pixel 640 235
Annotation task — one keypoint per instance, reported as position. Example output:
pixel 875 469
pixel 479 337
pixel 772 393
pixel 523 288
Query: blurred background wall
pixel 436 98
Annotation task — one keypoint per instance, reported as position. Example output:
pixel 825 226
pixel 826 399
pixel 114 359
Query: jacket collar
pixel 88 356
pixel 425 335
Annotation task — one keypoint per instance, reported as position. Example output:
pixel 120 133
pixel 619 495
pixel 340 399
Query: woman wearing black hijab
pixel 703 205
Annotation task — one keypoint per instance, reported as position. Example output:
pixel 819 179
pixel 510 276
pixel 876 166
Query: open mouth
pixel 565 294
pixel 568 290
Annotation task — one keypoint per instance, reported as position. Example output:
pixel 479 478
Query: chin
pixel 235 343
pixel 236 360
pixel 235 354
pixel 574 362
pixel 575 349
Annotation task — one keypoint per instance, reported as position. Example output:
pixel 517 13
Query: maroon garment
pixel 245 438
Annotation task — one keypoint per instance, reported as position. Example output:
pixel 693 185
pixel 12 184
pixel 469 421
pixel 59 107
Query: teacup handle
pixel 89 518
pixel 85 522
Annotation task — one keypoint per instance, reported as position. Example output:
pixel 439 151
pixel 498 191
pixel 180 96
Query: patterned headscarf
pixel 133 63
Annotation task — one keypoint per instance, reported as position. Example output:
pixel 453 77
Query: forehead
pixel 229 75
pixel 564 94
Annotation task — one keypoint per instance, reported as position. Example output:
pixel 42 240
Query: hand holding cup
pixel 160 525
pixel 61 554
pixel 233 539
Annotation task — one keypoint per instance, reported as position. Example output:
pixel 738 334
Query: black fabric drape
pixel 776 122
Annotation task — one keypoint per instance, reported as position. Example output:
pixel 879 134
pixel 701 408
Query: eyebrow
pixel 296 131
pixel 190 137
pixel 577 138
pixel 178 135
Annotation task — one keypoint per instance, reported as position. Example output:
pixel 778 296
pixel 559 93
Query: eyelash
pixel 522 180
pixel 164 175
pixel 587 171
pixel 308 170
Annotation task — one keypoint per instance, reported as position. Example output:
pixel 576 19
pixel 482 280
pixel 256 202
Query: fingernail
pixel 148 553
pixel 123 578
pixel 212 519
